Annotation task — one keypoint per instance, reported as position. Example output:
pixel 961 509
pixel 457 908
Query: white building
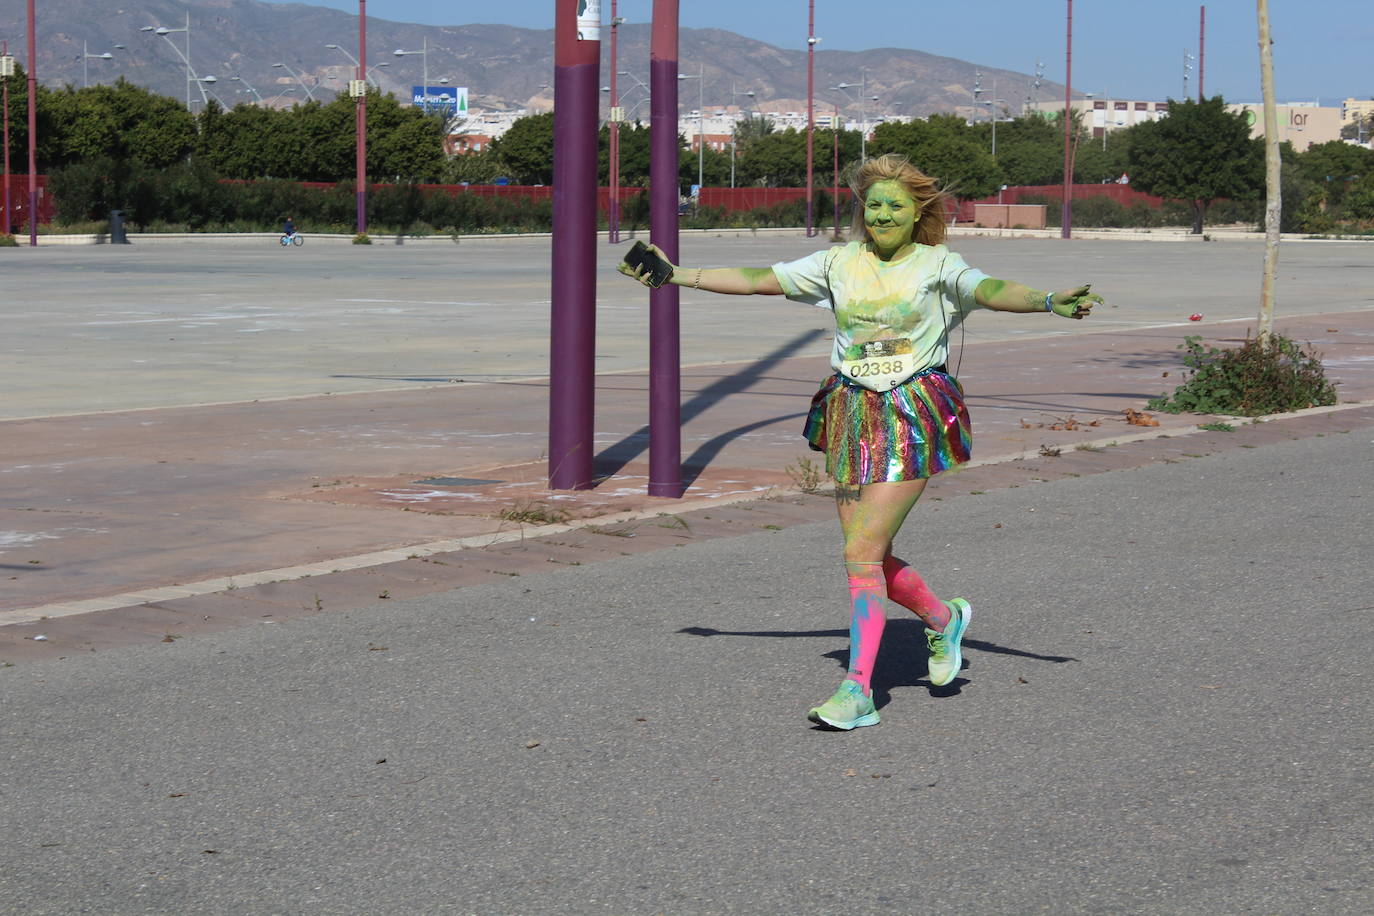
pixel 1300 123
pixel 1106 115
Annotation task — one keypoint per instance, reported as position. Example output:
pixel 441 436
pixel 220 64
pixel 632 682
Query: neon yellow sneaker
pixel 945 655
pixel 847 709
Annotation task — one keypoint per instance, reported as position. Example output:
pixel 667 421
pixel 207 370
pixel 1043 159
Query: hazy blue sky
pixel 1322 48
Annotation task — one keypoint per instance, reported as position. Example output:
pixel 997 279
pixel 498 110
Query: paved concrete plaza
pixel 1167 709
pixel 118 327
pixel 272 642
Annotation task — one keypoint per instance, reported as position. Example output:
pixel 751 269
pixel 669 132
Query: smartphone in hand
pixel 656 270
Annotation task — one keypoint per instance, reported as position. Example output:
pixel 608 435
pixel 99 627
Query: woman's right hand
pixel 641 273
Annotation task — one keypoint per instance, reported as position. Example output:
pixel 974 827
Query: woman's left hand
pixel 1075 303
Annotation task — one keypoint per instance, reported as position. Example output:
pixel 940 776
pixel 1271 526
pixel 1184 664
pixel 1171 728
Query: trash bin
pixel 117 233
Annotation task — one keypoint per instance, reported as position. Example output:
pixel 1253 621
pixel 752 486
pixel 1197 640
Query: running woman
pixel 890 416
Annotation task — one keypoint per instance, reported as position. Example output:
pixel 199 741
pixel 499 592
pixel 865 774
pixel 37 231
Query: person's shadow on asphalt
pixel 901 657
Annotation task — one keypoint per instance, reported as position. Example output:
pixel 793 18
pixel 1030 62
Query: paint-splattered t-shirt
pixel 919 298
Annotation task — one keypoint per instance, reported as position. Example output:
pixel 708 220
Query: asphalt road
pixel 118 327
pixel 1167 709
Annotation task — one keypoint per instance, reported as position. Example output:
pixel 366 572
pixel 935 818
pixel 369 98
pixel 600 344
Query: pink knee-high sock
pixel 867 592
pixel 906 587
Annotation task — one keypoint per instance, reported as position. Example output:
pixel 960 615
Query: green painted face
pixel 890 215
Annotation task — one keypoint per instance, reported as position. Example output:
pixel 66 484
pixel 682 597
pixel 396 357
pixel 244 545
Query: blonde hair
pixel 929 196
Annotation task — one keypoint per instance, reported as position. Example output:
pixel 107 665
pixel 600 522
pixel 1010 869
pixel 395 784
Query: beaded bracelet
pixel 696 284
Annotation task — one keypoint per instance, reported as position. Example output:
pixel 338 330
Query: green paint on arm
pixel 988 289
pixel 756 275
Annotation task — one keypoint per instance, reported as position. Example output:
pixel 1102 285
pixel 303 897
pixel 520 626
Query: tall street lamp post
pixel 163 31
pixel 992 112
pixel 701 123
pixel 734 128
pixel 864 99
pixel 86 55
pixel 247 85
pixel 297 77
pixel 424 68
pixel 372 80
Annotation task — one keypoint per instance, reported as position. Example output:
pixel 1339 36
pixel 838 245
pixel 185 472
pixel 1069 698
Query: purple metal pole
pixel 5 227
pixel 33 135
pixel 810 116
pixel 613 210
pixel 577 90
pixel 1066 213
pixel 665 357
pixel 1201 50
pixel 360 117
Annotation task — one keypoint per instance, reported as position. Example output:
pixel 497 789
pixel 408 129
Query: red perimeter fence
pixel 729 199
pixel 19 201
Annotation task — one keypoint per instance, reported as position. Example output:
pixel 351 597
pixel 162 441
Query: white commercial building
pixel 1300 123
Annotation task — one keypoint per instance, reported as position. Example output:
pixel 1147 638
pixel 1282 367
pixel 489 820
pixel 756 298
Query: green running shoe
pixel 847 709
pixel 945 657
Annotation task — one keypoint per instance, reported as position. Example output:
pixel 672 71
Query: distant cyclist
pixel 289 229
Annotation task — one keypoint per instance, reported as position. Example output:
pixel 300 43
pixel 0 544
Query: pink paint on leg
pixel 906 587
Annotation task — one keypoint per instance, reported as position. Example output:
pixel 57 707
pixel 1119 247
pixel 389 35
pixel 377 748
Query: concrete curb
pixel 449 545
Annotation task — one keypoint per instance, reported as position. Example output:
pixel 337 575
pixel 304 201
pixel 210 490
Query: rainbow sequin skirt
pixel 914 431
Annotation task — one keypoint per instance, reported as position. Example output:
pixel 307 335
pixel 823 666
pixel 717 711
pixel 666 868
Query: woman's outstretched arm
pixel 1010 296
pixel 738 281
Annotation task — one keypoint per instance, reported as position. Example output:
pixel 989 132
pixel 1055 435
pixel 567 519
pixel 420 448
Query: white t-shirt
pixel 918 298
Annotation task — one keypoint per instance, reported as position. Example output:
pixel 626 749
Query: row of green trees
pixel 121 146
pixel 309 142
pixel 1199 154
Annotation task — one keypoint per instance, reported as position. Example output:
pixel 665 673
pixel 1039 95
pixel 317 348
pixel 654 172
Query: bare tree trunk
pixel 1273 202
pixel 1199 209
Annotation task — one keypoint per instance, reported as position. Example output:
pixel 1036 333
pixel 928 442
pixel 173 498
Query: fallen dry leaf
pixel 1139 418
pixel 531 744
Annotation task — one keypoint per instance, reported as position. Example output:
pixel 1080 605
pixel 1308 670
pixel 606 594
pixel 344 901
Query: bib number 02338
pixel 879 365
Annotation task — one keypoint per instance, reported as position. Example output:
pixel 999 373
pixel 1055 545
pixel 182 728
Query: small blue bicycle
pixel 292 239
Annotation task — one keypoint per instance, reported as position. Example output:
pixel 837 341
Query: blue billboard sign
pixel 445 100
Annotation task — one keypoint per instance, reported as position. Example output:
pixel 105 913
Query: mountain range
pixel 504 67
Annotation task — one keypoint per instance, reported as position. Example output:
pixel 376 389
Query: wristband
pixel 696 284
pixel 1049 302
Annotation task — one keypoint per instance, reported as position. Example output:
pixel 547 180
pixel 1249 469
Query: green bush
pixel 1262 376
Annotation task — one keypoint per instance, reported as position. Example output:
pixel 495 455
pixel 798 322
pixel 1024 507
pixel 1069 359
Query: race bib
pixel 880 365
